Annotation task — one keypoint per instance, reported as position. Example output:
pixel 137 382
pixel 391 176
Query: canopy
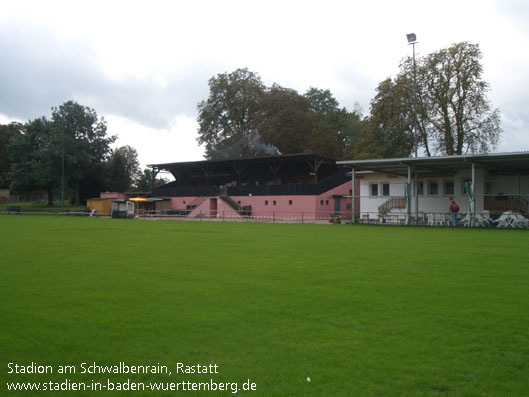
pixel 138 200
pixel 449 165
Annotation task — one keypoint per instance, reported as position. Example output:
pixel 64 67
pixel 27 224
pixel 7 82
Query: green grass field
pixel 360 310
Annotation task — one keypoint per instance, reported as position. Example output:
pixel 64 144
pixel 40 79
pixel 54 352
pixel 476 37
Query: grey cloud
pixel 36 75
pixel 39 71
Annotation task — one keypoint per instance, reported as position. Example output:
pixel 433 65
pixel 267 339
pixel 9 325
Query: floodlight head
pixel 412 38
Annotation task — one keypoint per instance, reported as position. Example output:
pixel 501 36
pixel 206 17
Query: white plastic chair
pixel 505 220
pixel 520 221
pixel 466 220
pixel 441 220
pixel 430 220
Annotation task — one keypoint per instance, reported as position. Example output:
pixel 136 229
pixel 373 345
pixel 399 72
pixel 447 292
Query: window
pixel 326 202
pixel 266 202
pixel 433 188
pixel 374 189
pixel 274 202
pixel 420 188
pixel 289 202
pixel 321 202
pixel 385 189
pixel 449 188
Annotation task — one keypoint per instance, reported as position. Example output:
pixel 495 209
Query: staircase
pixel 391 203
pixel 228 200
pixel 522 206
pixel 196 202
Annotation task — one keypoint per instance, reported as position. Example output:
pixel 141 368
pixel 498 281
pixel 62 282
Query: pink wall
pixel 181 203
pixel 343 190
pixel 286 205
pixel 320 206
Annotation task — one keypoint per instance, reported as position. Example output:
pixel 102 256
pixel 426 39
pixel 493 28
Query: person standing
pixel 454 210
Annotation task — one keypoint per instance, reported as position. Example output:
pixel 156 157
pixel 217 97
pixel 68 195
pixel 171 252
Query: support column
pixel 314 167
pixel 153 179
pixel 274 167
pixel 518 192
pixel 239 169
pixel 408 197
pixel 416 198
pixel 207 170
pixel 353 194
pixel 473 196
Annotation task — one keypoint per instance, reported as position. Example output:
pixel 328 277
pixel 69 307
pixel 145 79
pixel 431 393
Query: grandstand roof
pixel 292 168
pixel 243 160
pixel 424 166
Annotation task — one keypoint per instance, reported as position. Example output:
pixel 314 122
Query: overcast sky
pixel 144 65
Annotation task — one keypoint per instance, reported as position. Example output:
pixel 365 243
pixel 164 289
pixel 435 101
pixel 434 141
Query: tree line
pixel 437 106
pixel 72 146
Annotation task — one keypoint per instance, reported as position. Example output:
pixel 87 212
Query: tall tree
pixel 35 159
pixel 288 123
pixel 285 120
pixel 346 125
pixel 144 181
pixel 83 135
pixel 7 133
pixel 387 130
pixel 350 127
pixel 124 169
pixel 322 102
pixel 76 134
pixel 445 111
pixel 453 101
pixel 228 118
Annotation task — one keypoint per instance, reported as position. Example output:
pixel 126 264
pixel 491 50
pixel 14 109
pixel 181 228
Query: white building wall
pixel 435 203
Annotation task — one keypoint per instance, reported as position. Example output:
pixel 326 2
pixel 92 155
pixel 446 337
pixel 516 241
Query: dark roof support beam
pixel 239 168
pixel 315 167
pixel 206 169
pixel 274 167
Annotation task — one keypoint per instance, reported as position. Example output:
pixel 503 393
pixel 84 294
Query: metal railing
pixel 392 203
pixel 476 210
pixel 495 211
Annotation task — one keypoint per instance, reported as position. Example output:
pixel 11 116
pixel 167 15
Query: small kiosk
pixel 123 209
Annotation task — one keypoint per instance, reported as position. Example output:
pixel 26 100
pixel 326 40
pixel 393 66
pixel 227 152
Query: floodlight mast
pixel 412 40
pixel 62 165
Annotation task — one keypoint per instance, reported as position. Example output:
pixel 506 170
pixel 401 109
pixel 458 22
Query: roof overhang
pixel 246 160
pixel 517 162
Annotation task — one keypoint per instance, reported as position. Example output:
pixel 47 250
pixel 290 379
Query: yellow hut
pixel 100 205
